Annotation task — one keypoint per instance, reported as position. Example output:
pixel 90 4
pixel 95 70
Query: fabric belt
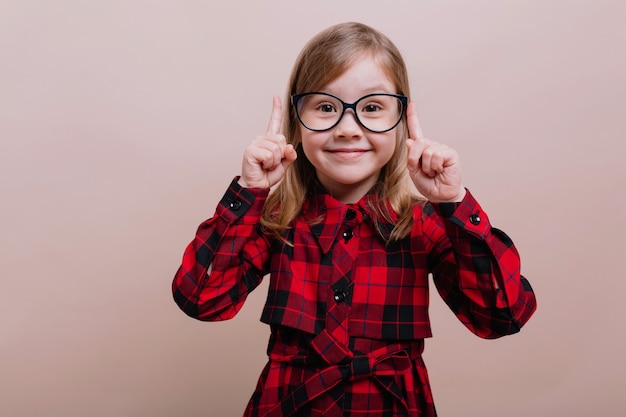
pixel 343 365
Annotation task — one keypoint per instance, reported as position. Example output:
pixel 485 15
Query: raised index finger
pixel 276 118
pixel 413 123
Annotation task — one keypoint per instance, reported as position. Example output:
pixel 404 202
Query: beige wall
pixel 121 123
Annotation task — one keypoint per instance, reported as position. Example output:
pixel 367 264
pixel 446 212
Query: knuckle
pixel 273 147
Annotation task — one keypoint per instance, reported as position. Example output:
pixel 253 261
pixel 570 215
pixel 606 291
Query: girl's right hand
pixel 267 157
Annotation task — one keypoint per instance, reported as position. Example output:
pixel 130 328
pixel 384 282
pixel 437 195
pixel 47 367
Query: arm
pixel 229 257
pixel 226 260
pixel 476 269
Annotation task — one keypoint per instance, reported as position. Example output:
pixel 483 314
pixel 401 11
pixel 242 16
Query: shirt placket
pixel 345 250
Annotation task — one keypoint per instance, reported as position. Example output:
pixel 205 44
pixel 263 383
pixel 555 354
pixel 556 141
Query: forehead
pixel 364 75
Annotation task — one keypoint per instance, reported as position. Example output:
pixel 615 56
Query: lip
pixel 348 153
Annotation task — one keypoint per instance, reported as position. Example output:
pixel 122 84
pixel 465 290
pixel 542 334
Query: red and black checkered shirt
pixel 349 311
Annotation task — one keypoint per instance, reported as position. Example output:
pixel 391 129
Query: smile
pixel 348 153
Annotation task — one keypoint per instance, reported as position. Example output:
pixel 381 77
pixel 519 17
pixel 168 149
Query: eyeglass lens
pixel 377 112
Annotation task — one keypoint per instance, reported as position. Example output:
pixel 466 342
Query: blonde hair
pixel 324 58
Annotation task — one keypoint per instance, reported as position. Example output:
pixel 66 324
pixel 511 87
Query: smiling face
pixel 348 158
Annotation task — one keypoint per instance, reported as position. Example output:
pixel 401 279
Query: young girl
pixel 347 246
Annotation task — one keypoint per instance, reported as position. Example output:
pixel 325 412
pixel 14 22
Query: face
pixel 348 158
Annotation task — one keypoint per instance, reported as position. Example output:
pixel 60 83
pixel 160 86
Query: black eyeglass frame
pixel 295 98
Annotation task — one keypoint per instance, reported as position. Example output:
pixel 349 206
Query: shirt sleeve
pixel 476 269
pixel 226 260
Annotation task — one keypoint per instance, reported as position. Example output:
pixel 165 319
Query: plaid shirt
pixel 349 312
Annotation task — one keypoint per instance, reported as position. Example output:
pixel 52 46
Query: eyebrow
pixel 370 90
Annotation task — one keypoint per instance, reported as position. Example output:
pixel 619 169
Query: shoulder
pixel 421 207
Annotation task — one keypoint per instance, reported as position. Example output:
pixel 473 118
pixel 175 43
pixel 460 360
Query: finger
pixel 413 123
pixel 275 151
pixel 258 156
pixel 436 158
pixel 289 157
pixel 414 154
pixel 276 117
pixel 440 158
pixel 427 160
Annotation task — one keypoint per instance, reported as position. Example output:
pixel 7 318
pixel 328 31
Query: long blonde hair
pixel 324 58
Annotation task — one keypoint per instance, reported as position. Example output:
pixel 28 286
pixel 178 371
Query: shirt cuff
pixel 467 214
pixel 241 204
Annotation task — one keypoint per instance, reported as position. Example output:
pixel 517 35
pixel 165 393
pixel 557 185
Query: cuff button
pixel 339 296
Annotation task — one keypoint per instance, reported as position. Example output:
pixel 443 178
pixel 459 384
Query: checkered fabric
pixel 348 311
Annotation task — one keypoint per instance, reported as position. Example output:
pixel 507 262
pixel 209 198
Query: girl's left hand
pixel 434 168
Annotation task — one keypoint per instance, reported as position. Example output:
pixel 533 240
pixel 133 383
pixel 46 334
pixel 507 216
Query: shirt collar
pixel 326 215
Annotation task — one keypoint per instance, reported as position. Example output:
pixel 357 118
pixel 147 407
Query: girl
pixel 347 245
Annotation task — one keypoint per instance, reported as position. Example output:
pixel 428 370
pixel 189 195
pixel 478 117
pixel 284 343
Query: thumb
pixel 414 155
pixel 289 157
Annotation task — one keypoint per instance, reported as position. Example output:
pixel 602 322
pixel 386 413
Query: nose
pixel 348 126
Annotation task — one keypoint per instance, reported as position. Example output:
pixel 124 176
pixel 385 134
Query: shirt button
pixel 474 219
pixel 340 296
pixel 347 235
pixel 235 205
pixel 350 214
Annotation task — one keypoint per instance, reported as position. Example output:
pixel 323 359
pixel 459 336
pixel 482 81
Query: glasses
pixel 377 113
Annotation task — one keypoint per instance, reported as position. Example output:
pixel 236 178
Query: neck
pixel 348 193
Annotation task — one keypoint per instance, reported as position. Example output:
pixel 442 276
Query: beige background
pixel 122 121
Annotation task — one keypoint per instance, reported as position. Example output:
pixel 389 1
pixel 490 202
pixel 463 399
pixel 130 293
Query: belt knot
pixel 345 365
pixel 360 366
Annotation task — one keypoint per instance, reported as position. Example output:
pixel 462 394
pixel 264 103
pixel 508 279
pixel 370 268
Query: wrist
pixel 456 199
pixel 460 196
pixel 242 183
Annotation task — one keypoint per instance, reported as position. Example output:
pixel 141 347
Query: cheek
pixel 387 146
pixel 310 144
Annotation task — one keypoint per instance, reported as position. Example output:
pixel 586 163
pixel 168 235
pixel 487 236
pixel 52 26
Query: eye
pixel 326 107
pixel 372 107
